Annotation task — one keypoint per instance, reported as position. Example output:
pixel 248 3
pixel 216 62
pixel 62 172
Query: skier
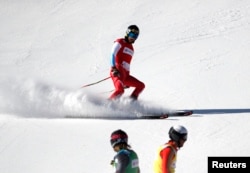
pixel 121 56
pixel 166 155
pixel 126 160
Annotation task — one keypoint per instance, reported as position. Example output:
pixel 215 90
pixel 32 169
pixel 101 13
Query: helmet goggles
pixel 184 137
pixel 133 33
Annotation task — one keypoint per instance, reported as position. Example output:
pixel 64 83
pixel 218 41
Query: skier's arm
pixel 123 161
pixel 115 61
pixel 167 155
pixel 116 47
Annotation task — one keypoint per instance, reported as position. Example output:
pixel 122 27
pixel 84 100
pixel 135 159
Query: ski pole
pixel 95 82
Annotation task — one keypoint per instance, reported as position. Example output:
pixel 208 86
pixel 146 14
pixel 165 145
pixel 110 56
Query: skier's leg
pixel 119 89
pixel 133 82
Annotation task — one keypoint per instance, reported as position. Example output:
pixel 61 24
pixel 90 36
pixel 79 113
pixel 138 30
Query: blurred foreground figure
pixel 125 160
pixel 166 155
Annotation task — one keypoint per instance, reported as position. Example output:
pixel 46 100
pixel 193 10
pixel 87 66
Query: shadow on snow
pixel 220 111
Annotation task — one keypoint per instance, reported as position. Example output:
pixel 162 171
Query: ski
pixel 167 115
pixel 162 116
pixel 181 113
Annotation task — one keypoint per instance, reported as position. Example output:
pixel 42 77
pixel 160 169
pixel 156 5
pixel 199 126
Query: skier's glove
pixel 115 72
pixel 112 162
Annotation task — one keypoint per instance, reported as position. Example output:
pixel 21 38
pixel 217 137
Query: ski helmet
pixel 118 137
pixel 132 31
pixel 178 132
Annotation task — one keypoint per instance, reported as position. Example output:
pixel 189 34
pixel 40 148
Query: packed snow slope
pixel 190 54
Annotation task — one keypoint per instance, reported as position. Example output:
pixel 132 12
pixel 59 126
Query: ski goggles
pixel 133 35
pixel 184 137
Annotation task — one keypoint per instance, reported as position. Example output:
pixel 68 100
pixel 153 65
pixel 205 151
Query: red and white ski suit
pixel 121 56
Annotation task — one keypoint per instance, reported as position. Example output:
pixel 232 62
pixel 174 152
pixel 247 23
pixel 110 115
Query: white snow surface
pixel 191 54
